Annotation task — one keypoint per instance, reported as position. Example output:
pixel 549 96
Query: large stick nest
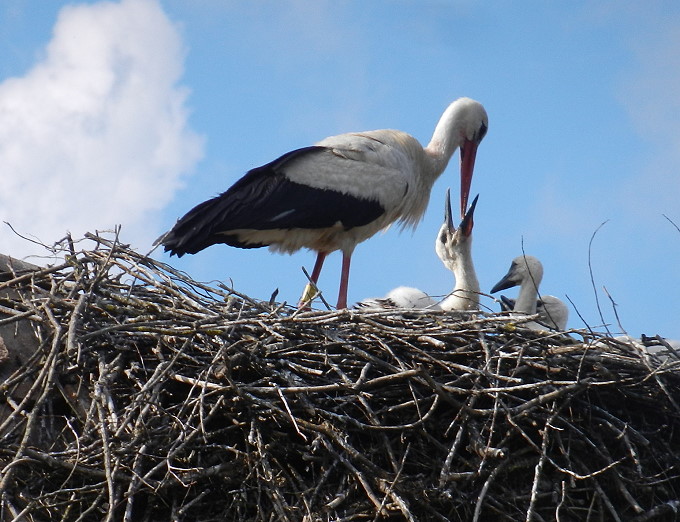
pixel 150 396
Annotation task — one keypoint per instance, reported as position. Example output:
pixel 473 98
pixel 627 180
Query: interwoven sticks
pixel 153 397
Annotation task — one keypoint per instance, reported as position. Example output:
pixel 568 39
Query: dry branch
pixel 151 396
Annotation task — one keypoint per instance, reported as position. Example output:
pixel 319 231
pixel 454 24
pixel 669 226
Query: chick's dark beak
pixel 447 212
pixel 468 221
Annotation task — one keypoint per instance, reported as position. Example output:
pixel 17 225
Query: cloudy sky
pixel 131 112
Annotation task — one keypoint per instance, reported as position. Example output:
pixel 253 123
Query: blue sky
pixel 134 111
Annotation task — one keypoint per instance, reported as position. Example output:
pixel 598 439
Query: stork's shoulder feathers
pixel 373 165
pixel 388 148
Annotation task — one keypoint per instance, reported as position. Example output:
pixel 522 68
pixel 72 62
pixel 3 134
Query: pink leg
pixel 321 256
pixel 344 280
pixel 310 288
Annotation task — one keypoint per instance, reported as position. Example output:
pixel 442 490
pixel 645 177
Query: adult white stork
pixel 527 273
pixel 335 194
pixel 454 249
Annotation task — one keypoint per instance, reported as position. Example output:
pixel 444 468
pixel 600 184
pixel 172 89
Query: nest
pixel 149 396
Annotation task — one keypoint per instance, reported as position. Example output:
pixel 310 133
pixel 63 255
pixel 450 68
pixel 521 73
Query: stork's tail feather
pixel 196 230
pixel 171 243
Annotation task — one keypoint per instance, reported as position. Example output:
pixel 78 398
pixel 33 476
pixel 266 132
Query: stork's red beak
pixel 468 153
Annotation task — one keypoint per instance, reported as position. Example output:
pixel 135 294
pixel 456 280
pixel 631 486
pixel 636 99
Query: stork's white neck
pixel 445 140
pixel 461 120
pixel 465 294
pixel 528 294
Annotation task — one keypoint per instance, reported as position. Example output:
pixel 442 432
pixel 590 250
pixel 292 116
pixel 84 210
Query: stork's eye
pixel 442 236
pixel 482 132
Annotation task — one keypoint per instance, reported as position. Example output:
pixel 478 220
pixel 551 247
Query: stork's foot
pixel 310 292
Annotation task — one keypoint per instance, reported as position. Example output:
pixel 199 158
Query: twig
pixel 671 222
pixel 592 277
pixel 538 469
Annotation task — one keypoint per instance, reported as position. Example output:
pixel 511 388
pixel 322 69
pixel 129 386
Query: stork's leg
pixel 310 288
pixel 344 280
pixel 320 257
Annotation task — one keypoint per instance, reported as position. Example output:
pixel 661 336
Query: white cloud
pixel 96 133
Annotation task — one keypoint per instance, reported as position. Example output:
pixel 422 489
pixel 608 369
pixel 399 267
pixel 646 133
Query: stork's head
pixel 473 124
pixel 462 126
pixel 523 269
pixel 452 243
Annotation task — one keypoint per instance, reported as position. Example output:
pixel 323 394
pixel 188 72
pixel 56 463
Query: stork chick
pixel 454 249
pixel 527 273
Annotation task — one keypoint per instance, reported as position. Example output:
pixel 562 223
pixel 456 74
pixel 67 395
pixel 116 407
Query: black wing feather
pixel 265 199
